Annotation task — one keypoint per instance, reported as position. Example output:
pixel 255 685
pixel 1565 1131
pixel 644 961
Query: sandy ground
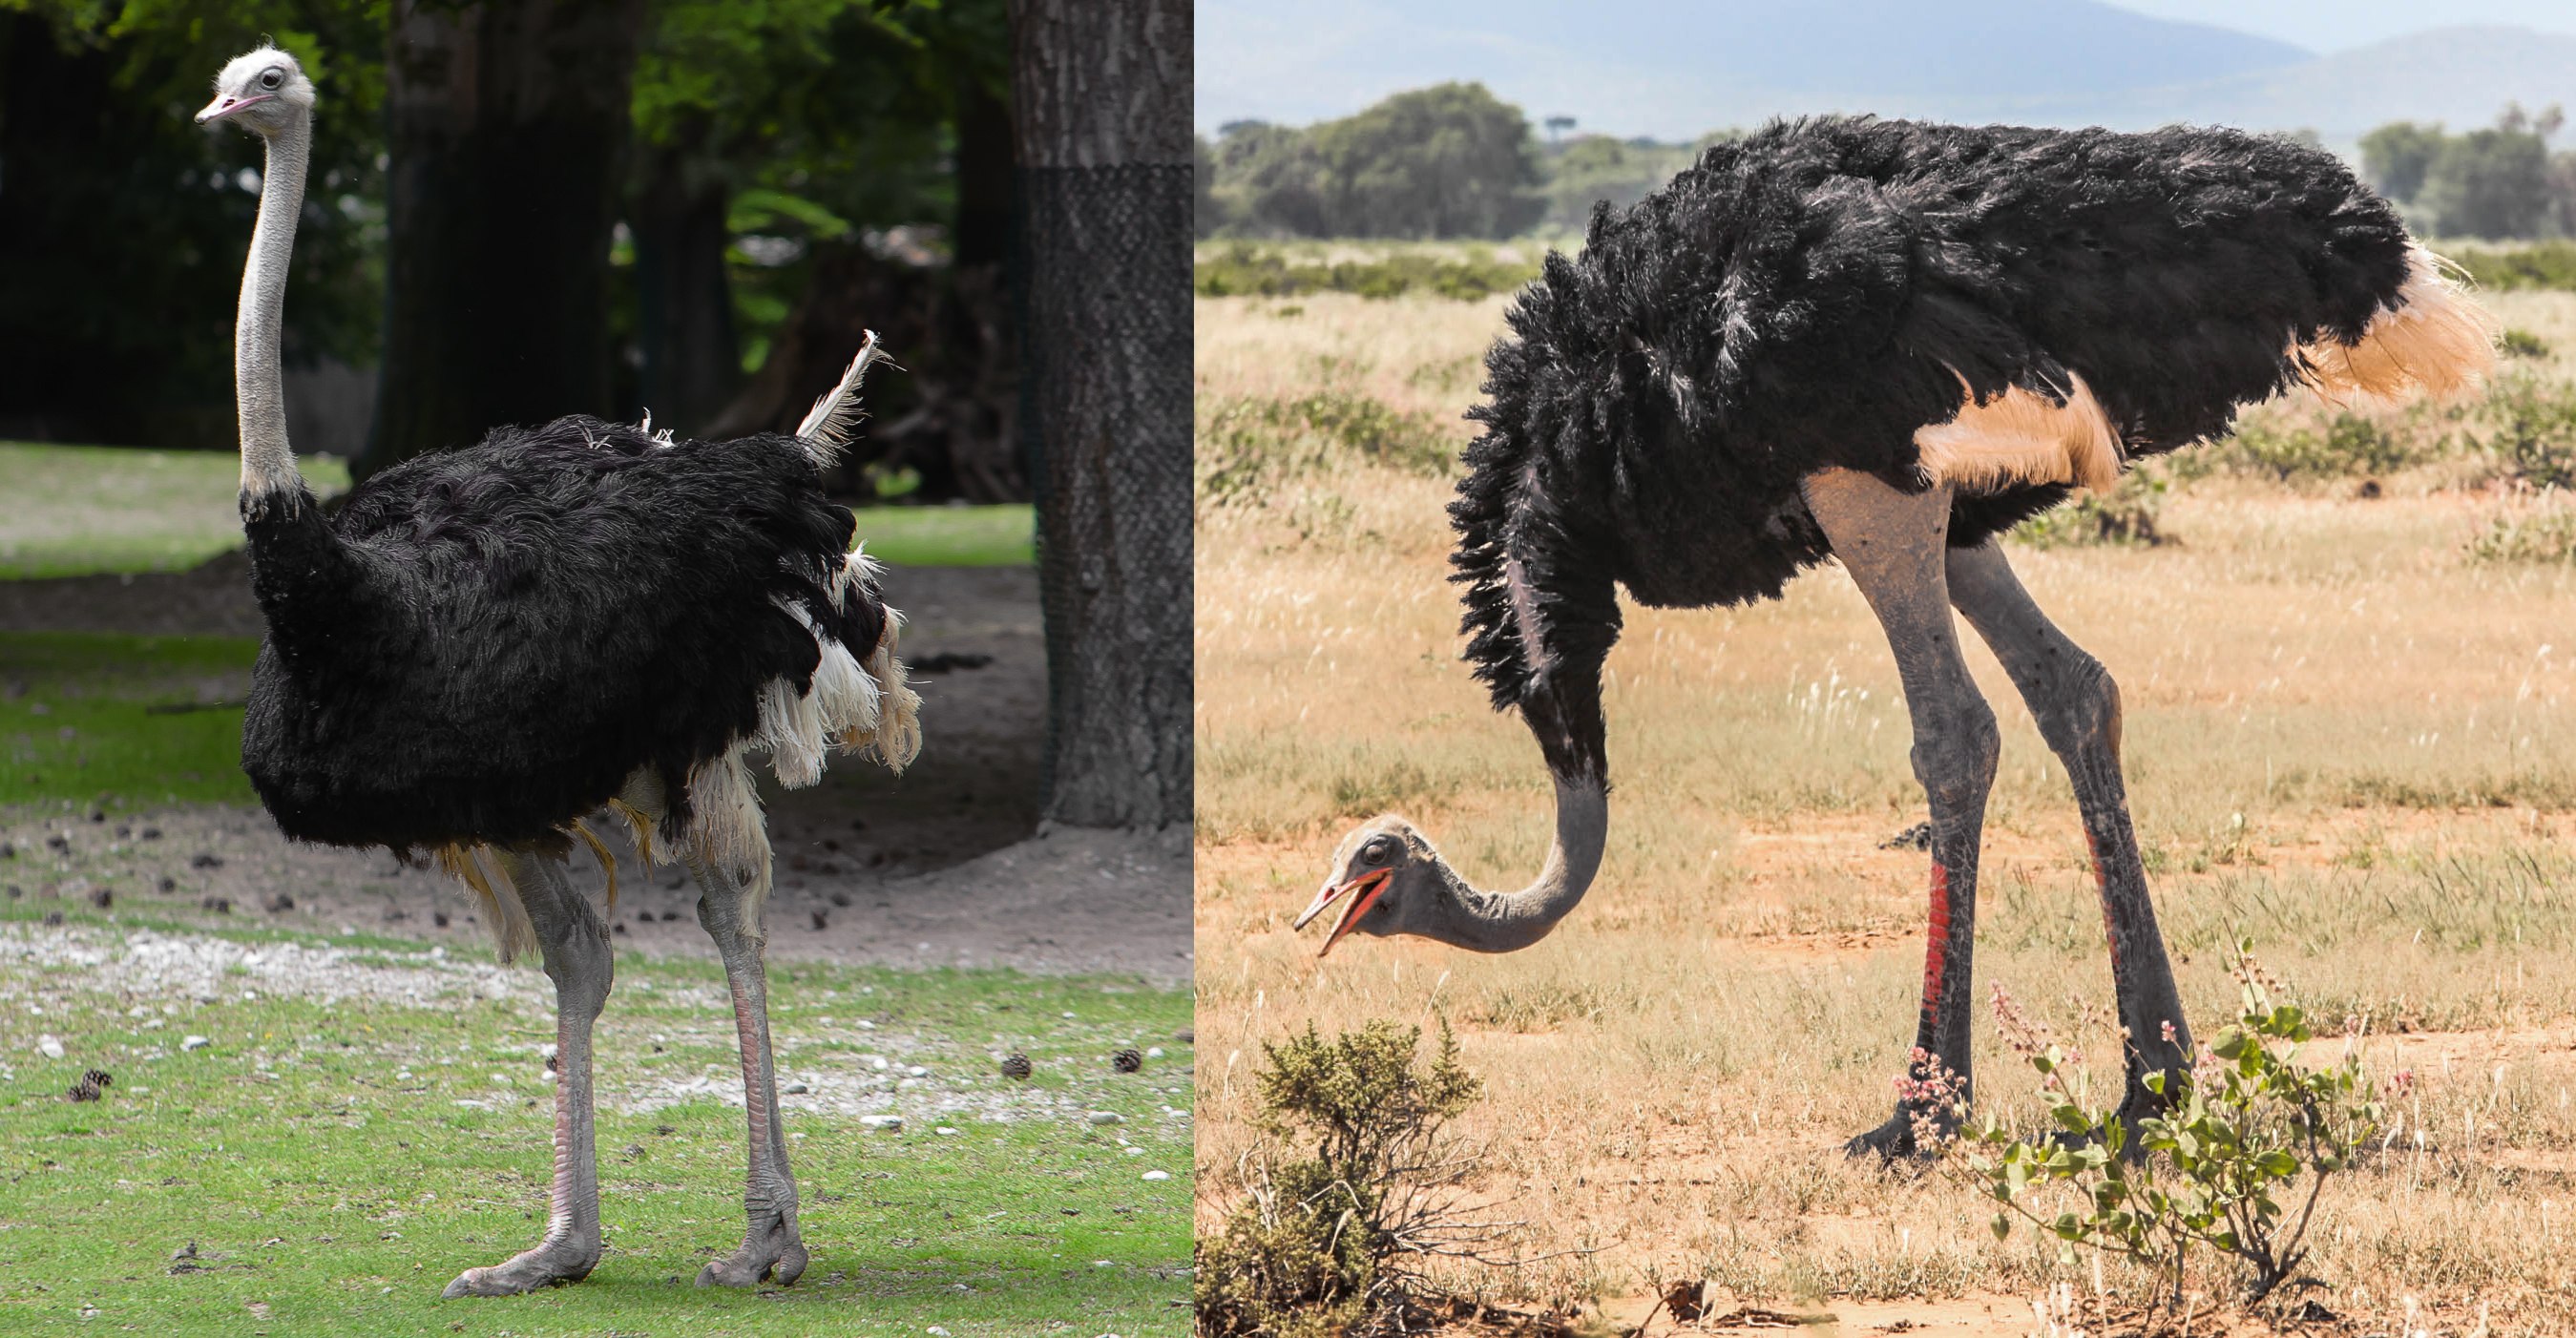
pixel 941 866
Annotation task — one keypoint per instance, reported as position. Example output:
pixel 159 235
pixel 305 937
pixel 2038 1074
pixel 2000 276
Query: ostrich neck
pixel 1484 921
pixel 259 377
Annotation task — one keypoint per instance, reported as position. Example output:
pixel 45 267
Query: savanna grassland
pixel 2349 669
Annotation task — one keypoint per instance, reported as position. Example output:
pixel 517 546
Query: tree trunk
pixel 1101 110
pixel 505 123
pixel 684 299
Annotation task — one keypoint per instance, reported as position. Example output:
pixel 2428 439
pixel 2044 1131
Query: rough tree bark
pixel 505 125
pixel 1101 114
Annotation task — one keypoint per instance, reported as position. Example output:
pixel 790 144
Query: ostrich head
pixel 264 91
pixel 1394 883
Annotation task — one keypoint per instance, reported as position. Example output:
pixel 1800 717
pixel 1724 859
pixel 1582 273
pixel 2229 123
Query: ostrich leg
pixel 580 962
pixel 771 1243
pixel 2078 708
pixel 1893 544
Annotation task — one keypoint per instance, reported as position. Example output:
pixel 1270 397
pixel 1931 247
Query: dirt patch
pixel 943 865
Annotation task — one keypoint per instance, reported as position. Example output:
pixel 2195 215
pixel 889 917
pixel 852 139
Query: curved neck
pixel 259 376
pixel 1509 921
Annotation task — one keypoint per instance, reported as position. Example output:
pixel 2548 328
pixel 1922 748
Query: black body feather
pixel 481 645
pixel 1811 296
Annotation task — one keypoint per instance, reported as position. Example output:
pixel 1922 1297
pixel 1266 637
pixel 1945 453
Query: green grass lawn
pixel 78 718
pixel 82 510
pixel 336 1164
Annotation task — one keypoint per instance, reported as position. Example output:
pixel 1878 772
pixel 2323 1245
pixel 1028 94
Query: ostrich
pixel 1889 342
pixel 484 646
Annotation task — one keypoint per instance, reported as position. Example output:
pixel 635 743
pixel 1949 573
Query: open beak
pixel 225 105
pixel 1367 887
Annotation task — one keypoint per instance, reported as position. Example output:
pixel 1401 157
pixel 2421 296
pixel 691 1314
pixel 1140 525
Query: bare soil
pixel 944 865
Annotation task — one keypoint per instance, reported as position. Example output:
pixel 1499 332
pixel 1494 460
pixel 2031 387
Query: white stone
pixel 795 1089
pixel 1158 1175
pixel 1154 1052
pixel 1107 1117
pixel 53 1049
pixel 194 1042
pixel 883 1123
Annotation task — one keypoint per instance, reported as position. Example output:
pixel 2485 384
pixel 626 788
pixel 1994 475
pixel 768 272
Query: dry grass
pixel 2346 740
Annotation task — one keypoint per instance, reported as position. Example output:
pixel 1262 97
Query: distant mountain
pixel 1677 67
pixel 1680 67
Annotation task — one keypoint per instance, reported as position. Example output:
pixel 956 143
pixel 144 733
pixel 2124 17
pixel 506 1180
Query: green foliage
pixel 2128 514
pixel 2395 157
pixel 1587 171
pixel 2350 446
pixel 1314 1247
pixel 2546 265
pixel 2543 533
pixel 2521 343
pixel 2531 436
pixel 1245 270
pixel 2219 1169
pixel 1248 447
pixel 1447 161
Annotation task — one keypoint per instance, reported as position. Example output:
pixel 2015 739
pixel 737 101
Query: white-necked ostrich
pixel 1888 343
pixel 484 646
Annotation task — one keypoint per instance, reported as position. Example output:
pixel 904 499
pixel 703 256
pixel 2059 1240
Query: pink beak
pixel 225 105
pixel 1370 886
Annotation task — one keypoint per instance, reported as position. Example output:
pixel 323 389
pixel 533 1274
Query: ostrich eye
pixel 272 78
pixel 1376 852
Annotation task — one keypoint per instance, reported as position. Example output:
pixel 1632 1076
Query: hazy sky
pixel 2332 25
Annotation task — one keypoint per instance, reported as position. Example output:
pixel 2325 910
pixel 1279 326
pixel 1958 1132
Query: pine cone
pixel 1127 1060
pixel 99 1077
pixel 84 1090
pixel 1015 1066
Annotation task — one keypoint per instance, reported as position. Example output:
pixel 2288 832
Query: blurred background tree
pixel 596 205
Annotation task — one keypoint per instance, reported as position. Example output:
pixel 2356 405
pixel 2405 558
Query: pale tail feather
pixel 828 425
pixel 2434 340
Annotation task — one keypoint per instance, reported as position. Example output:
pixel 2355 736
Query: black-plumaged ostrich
pixel 1888 343
pixel 482 647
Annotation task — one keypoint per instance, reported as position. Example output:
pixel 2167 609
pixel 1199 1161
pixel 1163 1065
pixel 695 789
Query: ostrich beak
pixel 1369 886
pixel 225 105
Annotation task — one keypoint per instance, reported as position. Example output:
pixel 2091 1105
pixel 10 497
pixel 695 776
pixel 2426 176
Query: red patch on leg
pixel 2102 885
pixel 1936 935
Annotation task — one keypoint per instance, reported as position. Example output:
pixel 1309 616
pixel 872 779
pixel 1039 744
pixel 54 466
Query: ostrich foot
pixel 551 1264
pixel 773 1251
pixel 1895 1139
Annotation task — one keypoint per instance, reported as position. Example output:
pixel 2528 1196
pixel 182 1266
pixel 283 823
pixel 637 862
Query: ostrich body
pixel 1888 343
pixel 484 647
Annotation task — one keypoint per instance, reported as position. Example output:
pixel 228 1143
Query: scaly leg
pixel 771 1243
pixel 2078 709
pixel 1892 543
pixel 580 962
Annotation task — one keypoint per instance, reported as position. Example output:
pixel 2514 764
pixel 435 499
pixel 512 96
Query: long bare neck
pixel 259 375
pixel 1484 921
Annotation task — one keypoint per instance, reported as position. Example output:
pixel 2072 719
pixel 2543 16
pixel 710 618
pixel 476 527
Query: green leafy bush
pixel 1248 446
pixel 2549 264
pixel 2544 532
pixel 2350 446
pixel 2532 434
pixel 2520 343
pixel 1246 270
pixel 1319 1244
pixel 2129 514
pixel 2220 1169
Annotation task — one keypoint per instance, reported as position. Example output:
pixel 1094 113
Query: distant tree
pixel 1206 216
pixel 1595 168
pixel 2395 157
pixel 1557 126
pixel 1448 161
pixel 1269 181
pixel 2489 183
